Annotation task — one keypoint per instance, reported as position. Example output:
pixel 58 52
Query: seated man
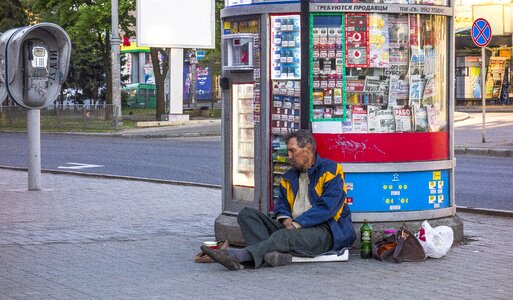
pixel 312 216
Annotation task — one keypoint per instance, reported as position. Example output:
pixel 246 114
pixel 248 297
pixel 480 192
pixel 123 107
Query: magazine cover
pixel 398 92
pixel 357 40
pixel 420 119
pixel 378 40
pixel 429 94
pixel 398 45
pixel 347 125
pixel 430 60
pixel 359 119
pixel 402 115
pixel 417 61
pixel 435 119
pixel 415 30
pixel 416 90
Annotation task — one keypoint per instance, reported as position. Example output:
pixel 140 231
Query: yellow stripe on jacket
pixel 327 177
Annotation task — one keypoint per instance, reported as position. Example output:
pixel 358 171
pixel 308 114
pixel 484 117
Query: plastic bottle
pixel 366 240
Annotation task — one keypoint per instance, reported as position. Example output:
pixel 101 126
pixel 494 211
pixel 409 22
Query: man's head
pixel 301 149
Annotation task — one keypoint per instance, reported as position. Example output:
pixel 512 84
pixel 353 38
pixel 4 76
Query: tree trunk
pixel 160 73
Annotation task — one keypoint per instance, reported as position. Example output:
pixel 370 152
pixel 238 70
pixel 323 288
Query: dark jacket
pixel 327 193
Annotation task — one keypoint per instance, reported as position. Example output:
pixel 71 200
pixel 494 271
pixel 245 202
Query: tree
pixel 12 15
pixel 160 70
pixel 88 23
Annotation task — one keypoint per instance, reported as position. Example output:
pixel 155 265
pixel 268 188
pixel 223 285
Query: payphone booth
pixel 371 81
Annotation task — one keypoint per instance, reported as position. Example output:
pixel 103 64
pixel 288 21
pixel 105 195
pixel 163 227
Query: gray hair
pixel 303 138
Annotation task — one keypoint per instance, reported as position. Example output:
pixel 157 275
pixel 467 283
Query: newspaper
pixel 420 119
pixel 416 90
pixel 436 121
pixel 380 119
pixel 417 61
pixel 398 92
pixel 402 115
pixel 359 119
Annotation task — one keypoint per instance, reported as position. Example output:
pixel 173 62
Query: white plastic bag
pixel 435 241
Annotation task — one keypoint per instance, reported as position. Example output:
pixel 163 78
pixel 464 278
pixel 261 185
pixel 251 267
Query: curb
pixel 483 151
pixel 485 211
pixel 122 177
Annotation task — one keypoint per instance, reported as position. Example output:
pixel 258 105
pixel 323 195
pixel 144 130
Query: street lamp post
pixel 115 69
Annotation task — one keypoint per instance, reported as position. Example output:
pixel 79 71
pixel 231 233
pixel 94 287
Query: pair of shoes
pixel 203 258
pixel 278 259
pixel 221 256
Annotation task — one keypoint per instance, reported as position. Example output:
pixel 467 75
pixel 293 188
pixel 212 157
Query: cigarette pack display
pixel 328 113
pixel 328 96
pixel 338 111
pixel 318 113
pixel 337 96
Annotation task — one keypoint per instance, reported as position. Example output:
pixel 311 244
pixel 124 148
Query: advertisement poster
pixel 494 76
pixel 203 83
pixel 379 40
pixel 357 40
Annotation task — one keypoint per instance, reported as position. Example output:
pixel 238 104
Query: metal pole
pixel 483 86
pixel 34 151
pixel 116 69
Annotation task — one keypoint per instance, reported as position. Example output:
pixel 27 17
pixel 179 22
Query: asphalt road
pixel 481 181
pixel 182 159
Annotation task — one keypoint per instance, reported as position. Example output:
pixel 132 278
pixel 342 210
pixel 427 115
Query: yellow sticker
pixel 400 187
pixel 390 187
pixel 227 25
pixel 437 175
pixel 432 184
pixel 405 187
pixel 387 201
pixel 385 187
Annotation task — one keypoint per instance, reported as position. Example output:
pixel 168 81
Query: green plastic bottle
pixel 366 240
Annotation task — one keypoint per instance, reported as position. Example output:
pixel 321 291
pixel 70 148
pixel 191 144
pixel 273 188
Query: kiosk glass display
pixel 381 79
pixel 243 140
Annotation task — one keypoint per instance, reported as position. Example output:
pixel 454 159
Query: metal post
pixel 34 149
pixel 116 72
pixel 483 86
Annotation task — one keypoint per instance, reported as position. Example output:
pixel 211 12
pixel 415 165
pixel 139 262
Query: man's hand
pixel 288 224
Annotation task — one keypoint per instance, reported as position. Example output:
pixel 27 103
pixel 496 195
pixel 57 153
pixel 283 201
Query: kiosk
pixel 372 81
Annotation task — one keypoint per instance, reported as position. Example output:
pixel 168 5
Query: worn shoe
pixel 278 259
pixel 221 256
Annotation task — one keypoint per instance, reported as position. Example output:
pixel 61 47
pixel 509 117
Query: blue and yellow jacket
pixel 327 193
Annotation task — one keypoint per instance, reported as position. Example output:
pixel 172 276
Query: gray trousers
pixel 264 234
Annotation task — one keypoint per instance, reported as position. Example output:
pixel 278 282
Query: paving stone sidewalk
pixel 92 238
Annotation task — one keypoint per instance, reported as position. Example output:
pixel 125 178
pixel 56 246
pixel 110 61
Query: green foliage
pixel 12 15
pixel 88 23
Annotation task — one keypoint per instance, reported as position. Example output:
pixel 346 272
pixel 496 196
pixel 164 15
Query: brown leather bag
pixel 403 246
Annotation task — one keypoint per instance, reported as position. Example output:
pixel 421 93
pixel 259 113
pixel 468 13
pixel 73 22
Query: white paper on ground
pixel 323 258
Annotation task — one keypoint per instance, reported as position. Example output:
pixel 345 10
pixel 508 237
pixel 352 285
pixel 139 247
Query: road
pixel 182 159
pixel 481 181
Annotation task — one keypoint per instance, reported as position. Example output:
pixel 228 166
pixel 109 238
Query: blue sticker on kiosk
pixel 398 191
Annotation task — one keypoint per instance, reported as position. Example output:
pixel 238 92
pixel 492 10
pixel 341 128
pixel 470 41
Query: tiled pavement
pixel 97 238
